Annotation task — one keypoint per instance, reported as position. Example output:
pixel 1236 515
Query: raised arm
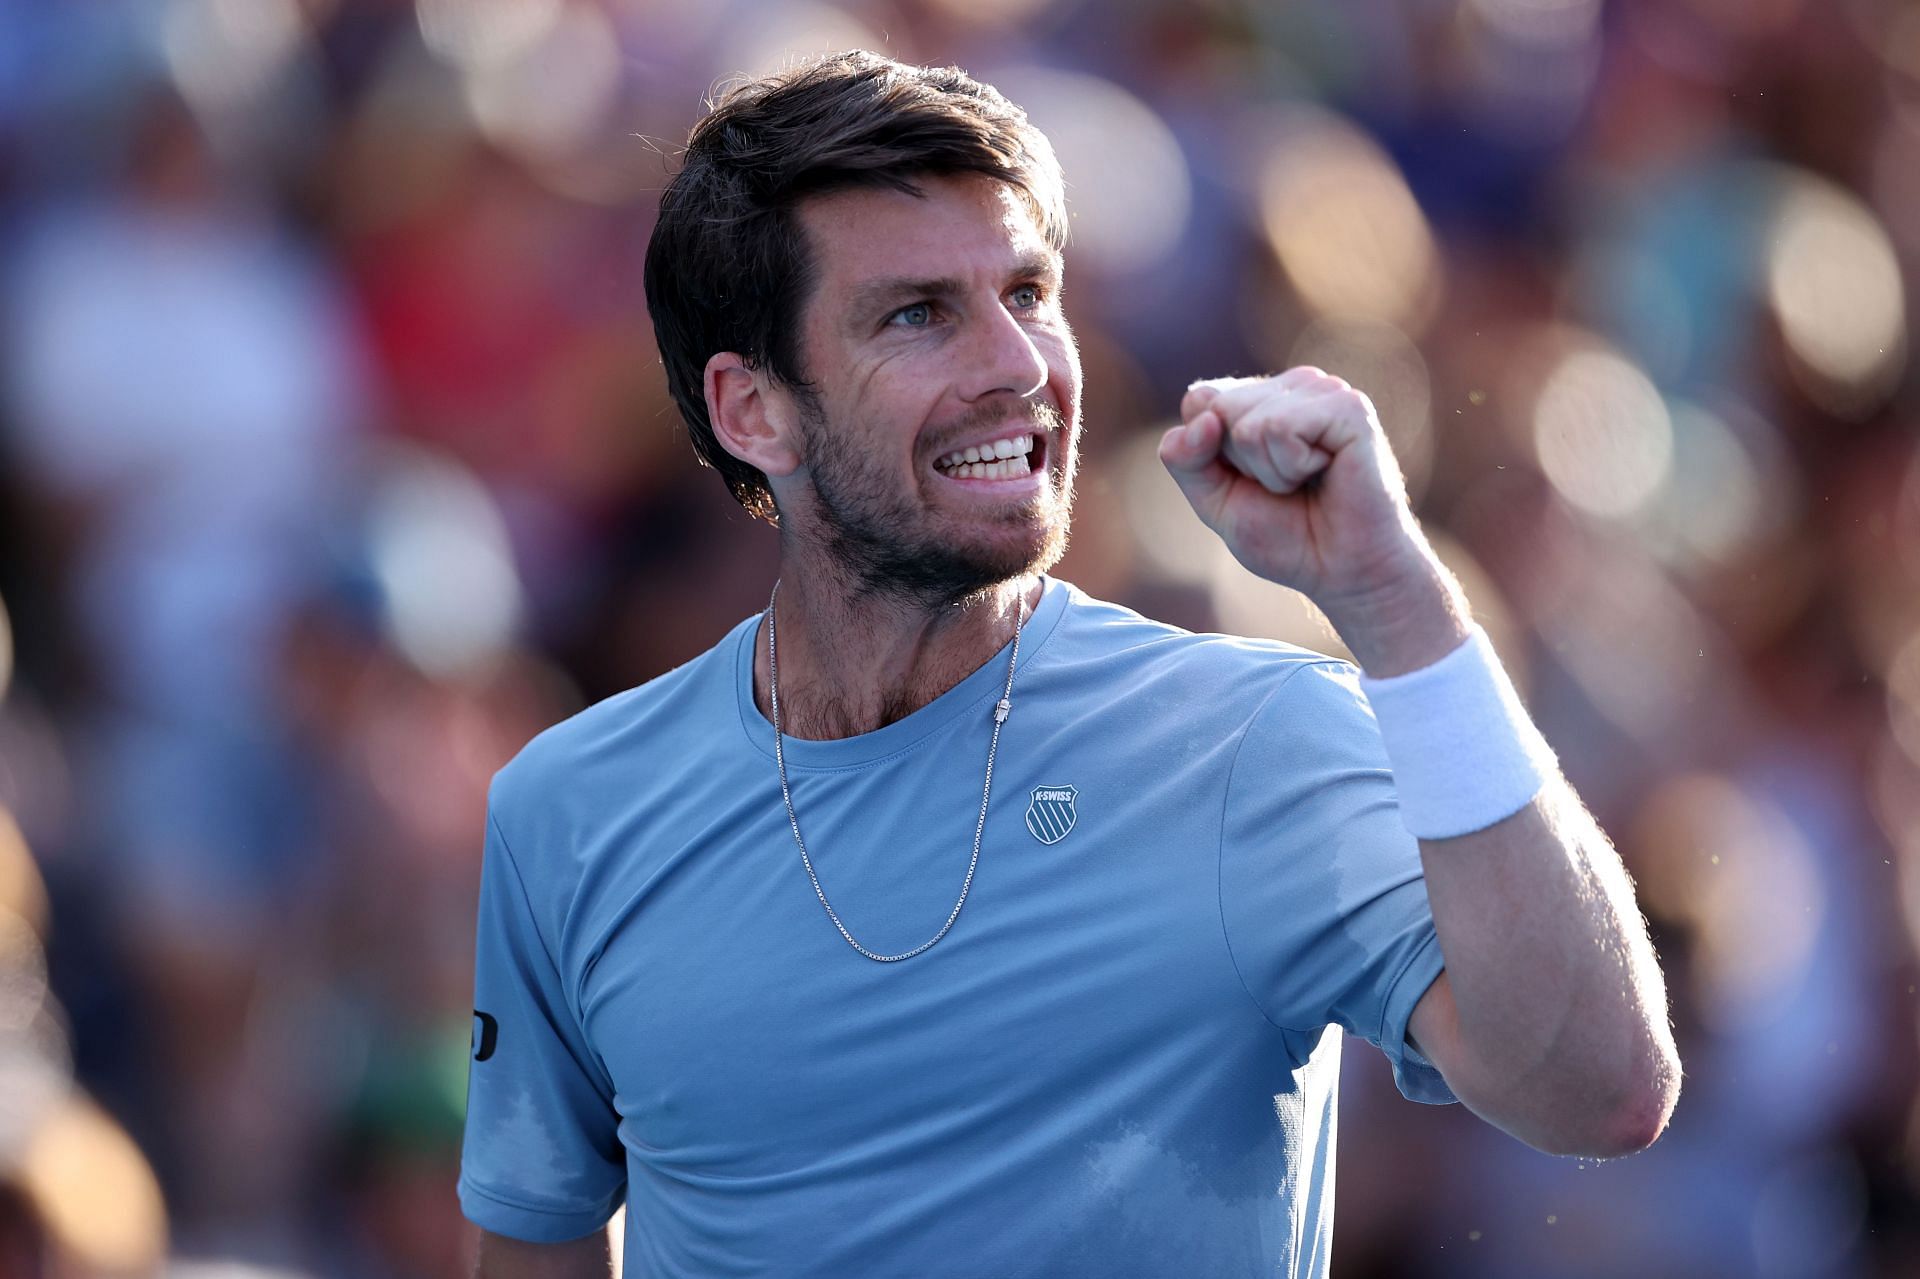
pixel 584 1258
pixel 1550 1020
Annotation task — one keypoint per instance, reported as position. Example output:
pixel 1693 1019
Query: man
pixel 944 921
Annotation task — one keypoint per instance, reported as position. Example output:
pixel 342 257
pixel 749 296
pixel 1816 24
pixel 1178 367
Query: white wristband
pixel 1463 751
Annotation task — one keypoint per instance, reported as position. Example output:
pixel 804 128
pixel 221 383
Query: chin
pixel 1013 559
pixel 952 569
pixel 939 556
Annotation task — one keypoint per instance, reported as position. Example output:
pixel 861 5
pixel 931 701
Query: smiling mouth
pixel 1009 457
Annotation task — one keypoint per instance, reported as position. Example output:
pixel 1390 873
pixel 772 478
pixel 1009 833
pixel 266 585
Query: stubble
pixel 884 543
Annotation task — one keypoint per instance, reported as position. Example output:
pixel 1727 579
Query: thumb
pixel 1191 454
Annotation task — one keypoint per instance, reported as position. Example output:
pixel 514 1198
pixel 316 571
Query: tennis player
pixel 943 920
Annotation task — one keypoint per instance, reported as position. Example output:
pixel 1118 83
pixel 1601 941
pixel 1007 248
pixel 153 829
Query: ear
pixel 752 421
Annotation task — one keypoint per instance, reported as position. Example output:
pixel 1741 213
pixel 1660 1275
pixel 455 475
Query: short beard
pixel 864 539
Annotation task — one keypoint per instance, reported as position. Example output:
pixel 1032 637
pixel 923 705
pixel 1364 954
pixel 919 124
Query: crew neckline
pixel 981 688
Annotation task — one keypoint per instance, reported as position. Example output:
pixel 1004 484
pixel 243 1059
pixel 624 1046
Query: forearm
pixel 1557 1003
pixel 1551 1019
pixel 505 1258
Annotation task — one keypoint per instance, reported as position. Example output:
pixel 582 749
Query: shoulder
pixel 618 743
pixel 1144 652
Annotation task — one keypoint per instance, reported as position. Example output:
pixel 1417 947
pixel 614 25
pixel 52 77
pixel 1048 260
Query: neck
pixel 854 660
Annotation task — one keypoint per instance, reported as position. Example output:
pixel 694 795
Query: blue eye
pixel 917 316
pixel 1027 296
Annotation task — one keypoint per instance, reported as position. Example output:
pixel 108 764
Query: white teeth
pixel 998 469
pixel 997 460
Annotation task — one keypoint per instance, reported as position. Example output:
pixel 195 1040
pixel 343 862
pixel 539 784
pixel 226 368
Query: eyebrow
pixel 880 293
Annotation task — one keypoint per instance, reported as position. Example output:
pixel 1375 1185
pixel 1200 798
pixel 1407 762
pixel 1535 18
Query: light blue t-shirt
pixel 1121 1061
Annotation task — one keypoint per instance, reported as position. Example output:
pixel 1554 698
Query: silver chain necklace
pixel 1000 710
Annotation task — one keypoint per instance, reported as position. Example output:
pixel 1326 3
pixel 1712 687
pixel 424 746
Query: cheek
pixel 901 394
pixel 1056 340
pixel 1064 361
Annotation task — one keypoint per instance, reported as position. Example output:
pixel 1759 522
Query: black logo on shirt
pixel 486 1035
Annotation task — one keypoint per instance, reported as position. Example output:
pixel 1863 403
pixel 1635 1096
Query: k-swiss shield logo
pixel 1050 815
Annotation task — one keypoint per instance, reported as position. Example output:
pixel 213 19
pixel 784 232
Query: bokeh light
pixel 1128 204
pixel 1174 545
pixel 95 1190
pixel 1533 65
pixel 1602 433
pixel 551 93
pixel 439 548
pixel 1635 645
pixel 1393 374
pixel 23 892
pixel 1169 539
pixel 786 34
pixel 474 34
pixel 1546 22
pixel 1344 226
pixel 224 53
pixel 1834 283
pixel 1724 493
pixel 23 976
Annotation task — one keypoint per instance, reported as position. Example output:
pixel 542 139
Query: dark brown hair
pixel 728 267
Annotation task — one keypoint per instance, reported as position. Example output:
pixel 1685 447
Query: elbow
pixel 1637 1124
pixel 1638 1115
pixel 1625 1128
pixel 1603 1122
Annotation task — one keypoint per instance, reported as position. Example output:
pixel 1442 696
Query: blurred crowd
pixel 335 462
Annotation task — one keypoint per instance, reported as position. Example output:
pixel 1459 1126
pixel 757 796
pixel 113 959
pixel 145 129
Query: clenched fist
pixel 1295 474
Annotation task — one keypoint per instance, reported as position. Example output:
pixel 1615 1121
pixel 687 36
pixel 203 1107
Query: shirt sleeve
pixel 542 1160
pixel 1321 890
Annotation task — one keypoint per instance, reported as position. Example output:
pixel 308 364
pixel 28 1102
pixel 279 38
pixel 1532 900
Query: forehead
pixel 956 224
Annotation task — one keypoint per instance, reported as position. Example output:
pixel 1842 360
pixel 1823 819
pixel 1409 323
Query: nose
pixel 1001 356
